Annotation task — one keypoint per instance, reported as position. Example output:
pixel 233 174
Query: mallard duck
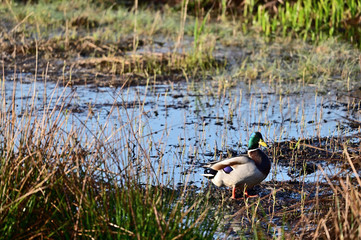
pixel 244 171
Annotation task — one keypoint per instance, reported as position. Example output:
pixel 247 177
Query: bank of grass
pixel 308 20
pixel 327 63
pixel 187 39
pixel 108 38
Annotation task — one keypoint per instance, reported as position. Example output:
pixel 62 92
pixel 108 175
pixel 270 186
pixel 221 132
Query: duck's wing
pixel 218 165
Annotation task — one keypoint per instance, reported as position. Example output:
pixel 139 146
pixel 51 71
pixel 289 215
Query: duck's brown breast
pixel 261 160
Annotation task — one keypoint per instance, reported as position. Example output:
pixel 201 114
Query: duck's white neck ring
pixel 253 150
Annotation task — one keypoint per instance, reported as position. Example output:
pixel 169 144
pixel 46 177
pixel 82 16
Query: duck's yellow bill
pixel 262 143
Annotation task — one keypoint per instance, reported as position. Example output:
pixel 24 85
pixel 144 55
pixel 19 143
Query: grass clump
pixel 55 182
pixel 305 19
pixel 314 20
pixel 343 218
pixel 328 62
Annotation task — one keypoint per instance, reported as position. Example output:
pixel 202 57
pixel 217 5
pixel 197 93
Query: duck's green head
pixel 255 140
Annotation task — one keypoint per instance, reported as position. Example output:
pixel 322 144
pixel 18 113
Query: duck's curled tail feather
pixel 209 173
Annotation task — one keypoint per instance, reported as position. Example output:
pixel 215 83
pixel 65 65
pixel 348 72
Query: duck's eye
pixel 228 169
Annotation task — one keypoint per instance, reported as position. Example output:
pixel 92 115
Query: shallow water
pixel 184 124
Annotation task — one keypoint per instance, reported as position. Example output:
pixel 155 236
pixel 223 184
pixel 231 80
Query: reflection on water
pixel 183 125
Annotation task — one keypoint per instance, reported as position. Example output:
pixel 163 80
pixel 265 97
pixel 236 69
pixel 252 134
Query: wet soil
pixel 86 61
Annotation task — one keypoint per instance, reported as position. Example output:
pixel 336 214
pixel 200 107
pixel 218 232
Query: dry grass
pixel 56 182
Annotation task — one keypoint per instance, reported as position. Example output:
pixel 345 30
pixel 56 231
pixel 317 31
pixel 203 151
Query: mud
pixel 85 61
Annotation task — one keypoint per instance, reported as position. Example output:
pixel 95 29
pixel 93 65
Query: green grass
pixel 329 62
pixel 311 20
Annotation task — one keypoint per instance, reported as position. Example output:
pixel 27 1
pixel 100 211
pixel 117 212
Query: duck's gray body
pixel 245 170
pixel 239 171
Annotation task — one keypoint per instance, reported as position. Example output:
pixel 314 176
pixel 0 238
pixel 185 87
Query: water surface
pixel 185 125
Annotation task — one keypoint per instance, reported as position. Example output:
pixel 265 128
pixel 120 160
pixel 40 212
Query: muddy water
pixel 185 125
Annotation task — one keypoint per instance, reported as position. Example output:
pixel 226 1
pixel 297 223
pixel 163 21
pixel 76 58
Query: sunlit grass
pixel 327 62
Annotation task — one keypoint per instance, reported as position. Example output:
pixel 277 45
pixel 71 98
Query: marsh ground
pixel 116 95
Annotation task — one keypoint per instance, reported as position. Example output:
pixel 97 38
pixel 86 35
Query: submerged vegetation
pixel 61 179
